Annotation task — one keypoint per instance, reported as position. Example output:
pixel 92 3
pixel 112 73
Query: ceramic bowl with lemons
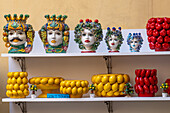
pixel 46 84
pixel 110 85
pixel 75 88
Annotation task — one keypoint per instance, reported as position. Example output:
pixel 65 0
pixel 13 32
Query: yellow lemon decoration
pixel 119 78
pixel 44 81
pixel 10 87
pixel 110 85
pixel 103 93
pixel 16 87
pixel 48 85
pixel 67 84
pixel 93 78
pixel 100 86
pixel 22 87
pixel 75 88
pixel 20 92
pixel 22 74
pixel 68 90
pixel 105 79
pixel 19 80
pixel 112 79
pixel 37 81
pixel 73 83
pixel 24 80
pixel 16 74
pixel 121 87
pixel 80 90
pixel 9 81
pixel 13 81
pixel 115 87
pixel 98 79
pixel 50 81
pixel 74 91
pixel 83 84
pixel 126 78
pixel 78 83
pixel 10 74
pixel 109 94
pixel 57 81
pixel 107 87
pixel 14 93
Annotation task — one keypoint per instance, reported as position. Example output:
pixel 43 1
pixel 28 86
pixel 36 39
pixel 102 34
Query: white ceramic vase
pixel 92 95
pixel 164 94
pixel 33 96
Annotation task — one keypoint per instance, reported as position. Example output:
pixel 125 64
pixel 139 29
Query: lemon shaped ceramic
pixel 75 88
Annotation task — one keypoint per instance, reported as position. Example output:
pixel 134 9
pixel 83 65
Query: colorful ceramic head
pixel 88 35
pixel 135 42
pixel 17 34
pixel 114 39
pixel 55 34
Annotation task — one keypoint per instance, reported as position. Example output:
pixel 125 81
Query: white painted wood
pixel 96 99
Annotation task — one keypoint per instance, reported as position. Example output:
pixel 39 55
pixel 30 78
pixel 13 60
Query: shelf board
pixel 97 99
pixel 86 54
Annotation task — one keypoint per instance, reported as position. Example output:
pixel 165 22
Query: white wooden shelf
pixel 86 54
pixel 97 99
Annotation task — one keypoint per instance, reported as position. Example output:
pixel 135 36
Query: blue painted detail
pixel 58 95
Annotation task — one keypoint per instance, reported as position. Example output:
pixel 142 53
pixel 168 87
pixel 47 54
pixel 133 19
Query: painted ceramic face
pixel 54 37
pixel 134 43
pixel 16 37
pixel 87 38
pixel 113 42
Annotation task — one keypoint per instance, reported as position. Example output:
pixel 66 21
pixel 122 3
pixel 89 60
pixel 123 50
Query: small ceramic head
pixel 17 34
pixel 135 42
pixel 55 34
pixel 88 35
pixel 114 39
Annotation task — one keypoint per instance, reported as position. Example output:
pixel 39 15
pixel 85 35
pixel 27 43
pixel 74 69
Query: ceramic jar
pixel 88 35
pixel 114 39
pixel 55 34
pixel 18 35
pixel 134 41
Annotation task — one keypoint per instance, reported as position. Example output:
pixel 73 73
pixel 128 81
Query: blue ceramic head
pixel 114 39
pixel 134 41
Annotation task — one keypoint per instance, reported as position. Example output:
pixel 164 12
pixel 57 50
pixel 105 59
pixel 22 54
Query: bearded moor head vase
pixel 18 36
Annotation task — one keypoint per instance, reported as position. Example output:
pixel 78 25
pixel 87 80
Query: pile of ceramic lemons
pixel 46 80
pixel 46 84
pixel 75 88
pixel 110 85
pixel 17 86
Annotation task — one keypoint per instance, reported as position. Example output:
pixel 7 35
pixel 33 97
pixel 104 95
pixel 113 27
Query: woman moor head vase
pixel 114 39
pixel 135 42
pixel 17 34
pixel 88 35
pixel 55 34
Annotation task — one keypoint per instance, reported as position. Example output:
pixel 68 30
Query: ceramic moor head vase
pixel 88 35
pixel 114 39
pixel 55 34
pixel 17 34
pixel 135 42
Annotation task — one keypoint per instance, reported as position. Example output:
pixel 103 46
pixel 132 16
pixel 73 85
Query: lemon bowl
pixel 110 85
pixel 46 84
pixel 75 88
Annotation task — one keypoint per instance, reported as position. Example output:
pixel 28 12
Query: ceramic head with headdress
pixel 17 34
pixel 55 34
pixel 88 35
pixel 114 39
pixel 135 42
